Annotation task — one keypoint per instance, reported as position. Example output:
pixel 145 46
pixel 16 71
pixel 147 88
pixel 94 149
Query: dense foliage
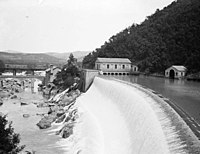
pixel 168 37
pixel 69 73
pixel 8 139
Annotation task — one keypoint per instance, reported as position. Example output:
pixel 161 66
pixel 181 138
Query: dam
pixel 120 117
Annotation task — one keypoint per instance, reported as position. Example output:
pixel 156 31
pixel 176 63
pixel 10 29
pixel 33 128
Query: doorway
pixel 171 74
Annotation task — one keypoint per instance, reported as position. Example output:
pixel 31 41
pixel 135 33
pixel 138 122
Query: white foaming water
pixel 119 120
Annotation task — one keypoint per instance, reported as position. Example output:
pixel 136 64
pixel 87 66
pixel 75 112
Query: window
pixel 123 66
pixel 176 73
pixel 115 66
pixel 107 66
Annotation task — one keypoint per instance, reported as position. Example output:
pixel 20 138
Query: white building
pixel 175 72
pixel 115 66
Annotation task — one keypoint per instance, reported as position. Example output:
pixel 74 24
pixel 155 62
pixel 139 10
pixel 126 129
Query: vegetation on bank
pixel 69 74
pixel 9 140
pixel 168 37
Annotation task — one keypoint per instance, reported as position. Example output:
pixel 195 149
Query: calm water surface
pixel 185 94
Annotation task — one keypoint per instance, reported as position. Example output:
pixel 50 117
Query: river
pixel 185 94
pixel 35 139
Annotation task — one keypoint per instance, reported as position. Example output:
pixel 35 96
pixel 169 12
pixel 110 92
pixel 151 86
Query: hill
pixel 29 58
pixel 168 37
pixel 79 55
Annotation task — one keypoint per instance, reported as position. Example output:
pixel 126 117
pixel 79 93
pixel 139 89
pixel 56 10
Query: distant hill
pixel 170 36
pixel 79 55
pixel 29 58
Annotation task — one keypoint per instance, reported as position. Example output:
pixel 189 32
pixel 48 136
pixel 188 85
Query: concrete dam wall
pixel 121 118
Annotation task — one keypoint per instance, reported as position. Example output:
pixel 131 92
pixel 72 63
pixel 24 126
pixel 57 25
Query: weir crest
pixel 119 117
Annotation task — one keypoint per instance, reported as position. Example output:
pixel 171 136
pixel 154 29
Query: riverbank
pixel 28 107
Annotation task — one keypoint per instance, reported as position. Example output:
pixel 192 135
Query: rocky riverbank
pixel 34 116
pixel 61 110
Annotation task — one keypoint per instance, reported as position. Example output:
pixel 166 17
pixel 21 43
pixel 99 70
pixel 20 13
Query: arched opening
pixel 127 73
pixel 108 73
pixel 116 73
pixel 124 73
pixel 104 73
pixel 112 73
pixel 120 73
pixel 171 74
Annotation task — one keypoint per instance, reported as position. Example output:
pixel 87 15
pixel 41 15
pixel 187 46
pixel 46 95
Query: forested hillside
pixel 168 37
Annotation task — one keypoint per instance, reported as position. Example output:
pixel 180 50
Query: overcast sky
pixel 68 25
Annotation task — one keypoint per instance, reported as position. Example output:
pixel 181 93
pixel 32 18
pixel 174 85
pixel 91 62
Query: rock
pixel 60 112
pixel 61 118
pixel 46 121
pixel 13 97
pixel 67 132
pixel 23 103
pixel 26 115
pixel 17 90
pixel 43 124
pixel 42 105
pixel 1 102
pixel 51 104
pixel 66 100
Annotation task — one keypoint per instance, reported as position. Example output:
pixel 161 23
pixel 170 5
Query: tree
pixel 68 74
pixel 168 37
pixel 8 139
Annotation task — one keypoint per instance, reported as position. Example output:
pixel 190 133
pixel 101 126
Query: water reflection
pixel 185 94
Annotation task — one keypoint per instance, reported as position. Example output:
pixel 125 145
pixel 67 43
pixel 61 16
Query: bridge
pixel 41 78
pixel 23 67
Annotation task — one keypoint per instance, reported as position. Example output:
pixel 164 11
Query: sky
pixel 68 25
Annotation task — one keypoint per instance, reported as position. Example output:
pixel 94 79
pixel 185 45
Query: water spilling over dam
pixel 121 118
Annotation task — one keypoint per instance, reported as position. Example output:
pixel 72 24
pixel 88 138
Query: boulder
pixel 13 97
pixel 66 100
pixel 46 121
pixel 23 103
pixel 60 112
pixel 66 130
pixel 26 115
pixel 1 102
pixel 43 124
pixel 61 118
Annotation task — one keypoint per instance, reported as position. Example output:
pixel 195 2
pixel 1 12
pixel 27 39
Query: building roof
pixel 113 60
pixel 53 67
pixel 179 68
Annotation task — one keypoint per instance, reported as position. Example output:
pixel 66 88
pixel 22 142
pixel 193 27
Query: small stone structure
pixel 51 74
pixel 175 72
pixel 88 76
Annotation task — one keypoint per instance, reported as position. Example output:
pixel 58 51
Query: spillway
pixel 123 118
